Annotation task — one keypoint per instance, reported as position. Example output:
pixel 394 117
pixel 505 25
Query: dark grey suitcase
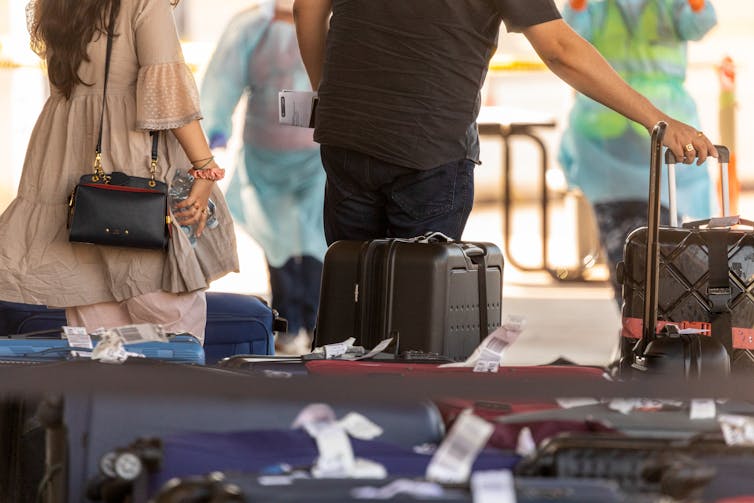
pixel 248 488
pixel 424 292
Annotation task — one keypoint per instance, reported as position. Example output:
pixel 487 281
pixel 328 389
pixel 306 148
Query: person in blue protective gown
pixel 277 190
pixel 605 154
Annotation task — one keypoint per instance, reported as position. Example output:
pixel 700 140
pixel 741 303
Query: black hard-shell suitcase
pixel 697 469
pixel 683 276
pixel 424 293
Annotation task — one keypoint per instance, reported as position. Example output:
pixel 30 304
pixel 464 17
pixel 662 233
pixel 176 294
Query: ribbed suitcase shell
pixel 425 293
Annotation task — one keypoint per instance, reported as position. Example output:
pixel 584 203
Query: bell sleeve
pixel 166 92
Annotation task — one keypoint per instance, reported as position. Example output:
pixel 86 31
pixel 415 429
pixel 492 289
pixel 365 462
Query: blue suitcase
pixel 236 324
pixel 181 348
pixel 98 423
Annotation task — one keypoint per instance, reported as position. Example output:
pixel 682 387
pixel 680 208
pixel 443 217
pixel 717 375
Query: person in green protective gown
pixel 607 155
pixel 277 190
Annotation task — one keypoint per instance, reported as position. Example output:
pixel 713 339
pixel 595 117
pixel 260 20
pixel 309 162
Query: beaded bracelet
pixel 211 174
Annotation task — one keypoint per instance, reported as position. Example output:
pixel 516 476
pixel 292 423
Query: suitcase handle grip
pixel 723 156
pixel 433 237
pixel 473 251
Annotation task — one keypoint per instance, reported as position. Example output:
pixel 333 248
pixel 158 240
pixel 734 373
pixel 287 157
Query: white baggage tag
pixel 525 444
pixel 338 349
pixel 737 430
pixel 336 459
pixel 379 348
pixel 312 416
pixel 493 346
pixel 145 332
pixel 452 461
pixel 703 409
pixel 110 349
pixel 360 427
pixel 78 337
pixel 417 488
pixel 569 403
pixel 493 487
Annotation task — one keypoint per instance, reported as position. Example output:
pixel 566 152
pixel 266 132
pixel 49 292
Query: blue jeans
pixel 366 198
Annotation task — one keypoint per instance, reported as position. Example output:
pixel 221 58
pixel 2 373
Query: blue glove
pixel 217 140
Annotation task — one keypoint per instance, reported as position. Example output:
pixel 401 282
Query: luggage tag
pixel 452 462
pixel 703 409
pixel 78 337
pixel 525 444
pixel 144 332
pixel 379 348
pixel 336 458
pixel 489 354
pixel 338 349
pixel 496 486
pixel 110 348
pixel 417 489
pixel 737 430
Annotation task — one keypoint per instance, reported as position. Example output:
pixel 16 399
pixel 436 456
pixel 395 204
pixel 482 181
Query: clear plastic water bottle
pixel 179 190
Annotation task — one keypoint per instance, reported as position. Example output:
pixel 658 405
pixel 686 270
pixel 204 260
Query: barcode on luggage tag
pixel 497 345
pixel 131 334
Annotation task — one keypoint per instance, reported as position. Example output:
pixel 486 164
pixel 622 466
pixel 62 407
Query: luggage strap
pixel 718 289
pixel 741 338
pixel 480 259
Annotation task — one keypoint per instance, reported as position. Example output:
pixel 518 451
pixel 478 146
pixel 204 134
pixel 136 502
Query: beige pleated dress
pixel 150 88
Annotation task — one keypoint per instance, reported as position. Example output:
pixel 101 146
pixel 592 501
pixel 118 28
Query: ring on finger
pixel 689 148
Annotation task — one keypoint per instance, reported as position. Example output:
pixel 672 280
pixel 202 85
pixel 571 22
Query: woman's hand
pixel 193 209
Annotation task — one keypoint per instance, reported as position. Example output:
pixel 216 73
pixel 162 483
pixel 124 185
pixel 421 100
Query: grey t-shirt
pixel 402 77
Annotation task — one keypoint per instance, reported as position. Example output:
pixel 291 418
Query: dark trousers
pixel 295 291
pixel 366 198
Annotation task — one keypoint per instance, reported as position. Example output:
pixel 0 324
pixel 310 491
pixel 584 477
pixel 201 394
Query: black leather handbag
pixel 117 209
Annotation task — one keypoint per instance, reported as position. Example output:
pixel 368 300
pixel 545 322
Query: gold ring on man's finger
pixel 689 148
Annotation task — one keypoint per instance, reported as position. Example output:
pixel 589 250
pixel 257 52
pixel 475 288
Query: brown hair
pixel 60 32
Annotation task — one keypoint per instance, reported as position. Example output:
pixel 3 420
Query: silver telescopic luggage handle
pixel 723 158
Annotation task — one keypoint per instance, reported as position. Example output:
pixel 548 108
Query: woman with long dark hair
pixel 149 88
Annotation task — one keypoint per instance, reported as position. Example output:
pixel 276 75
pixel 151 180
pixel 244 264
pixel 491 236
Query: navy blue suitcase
pixel 271 451
pixel 236 324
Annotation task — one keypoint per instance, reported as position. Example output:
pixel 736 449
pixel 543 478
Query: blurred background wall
pixel 510 84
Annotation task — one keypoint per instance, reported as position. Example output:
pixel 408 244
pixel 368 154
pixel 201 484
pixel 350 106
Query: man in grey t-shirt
pixel 399 84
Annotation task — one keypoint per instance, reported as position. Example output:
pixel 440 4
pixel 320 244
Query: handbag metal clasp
pixel 99 173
